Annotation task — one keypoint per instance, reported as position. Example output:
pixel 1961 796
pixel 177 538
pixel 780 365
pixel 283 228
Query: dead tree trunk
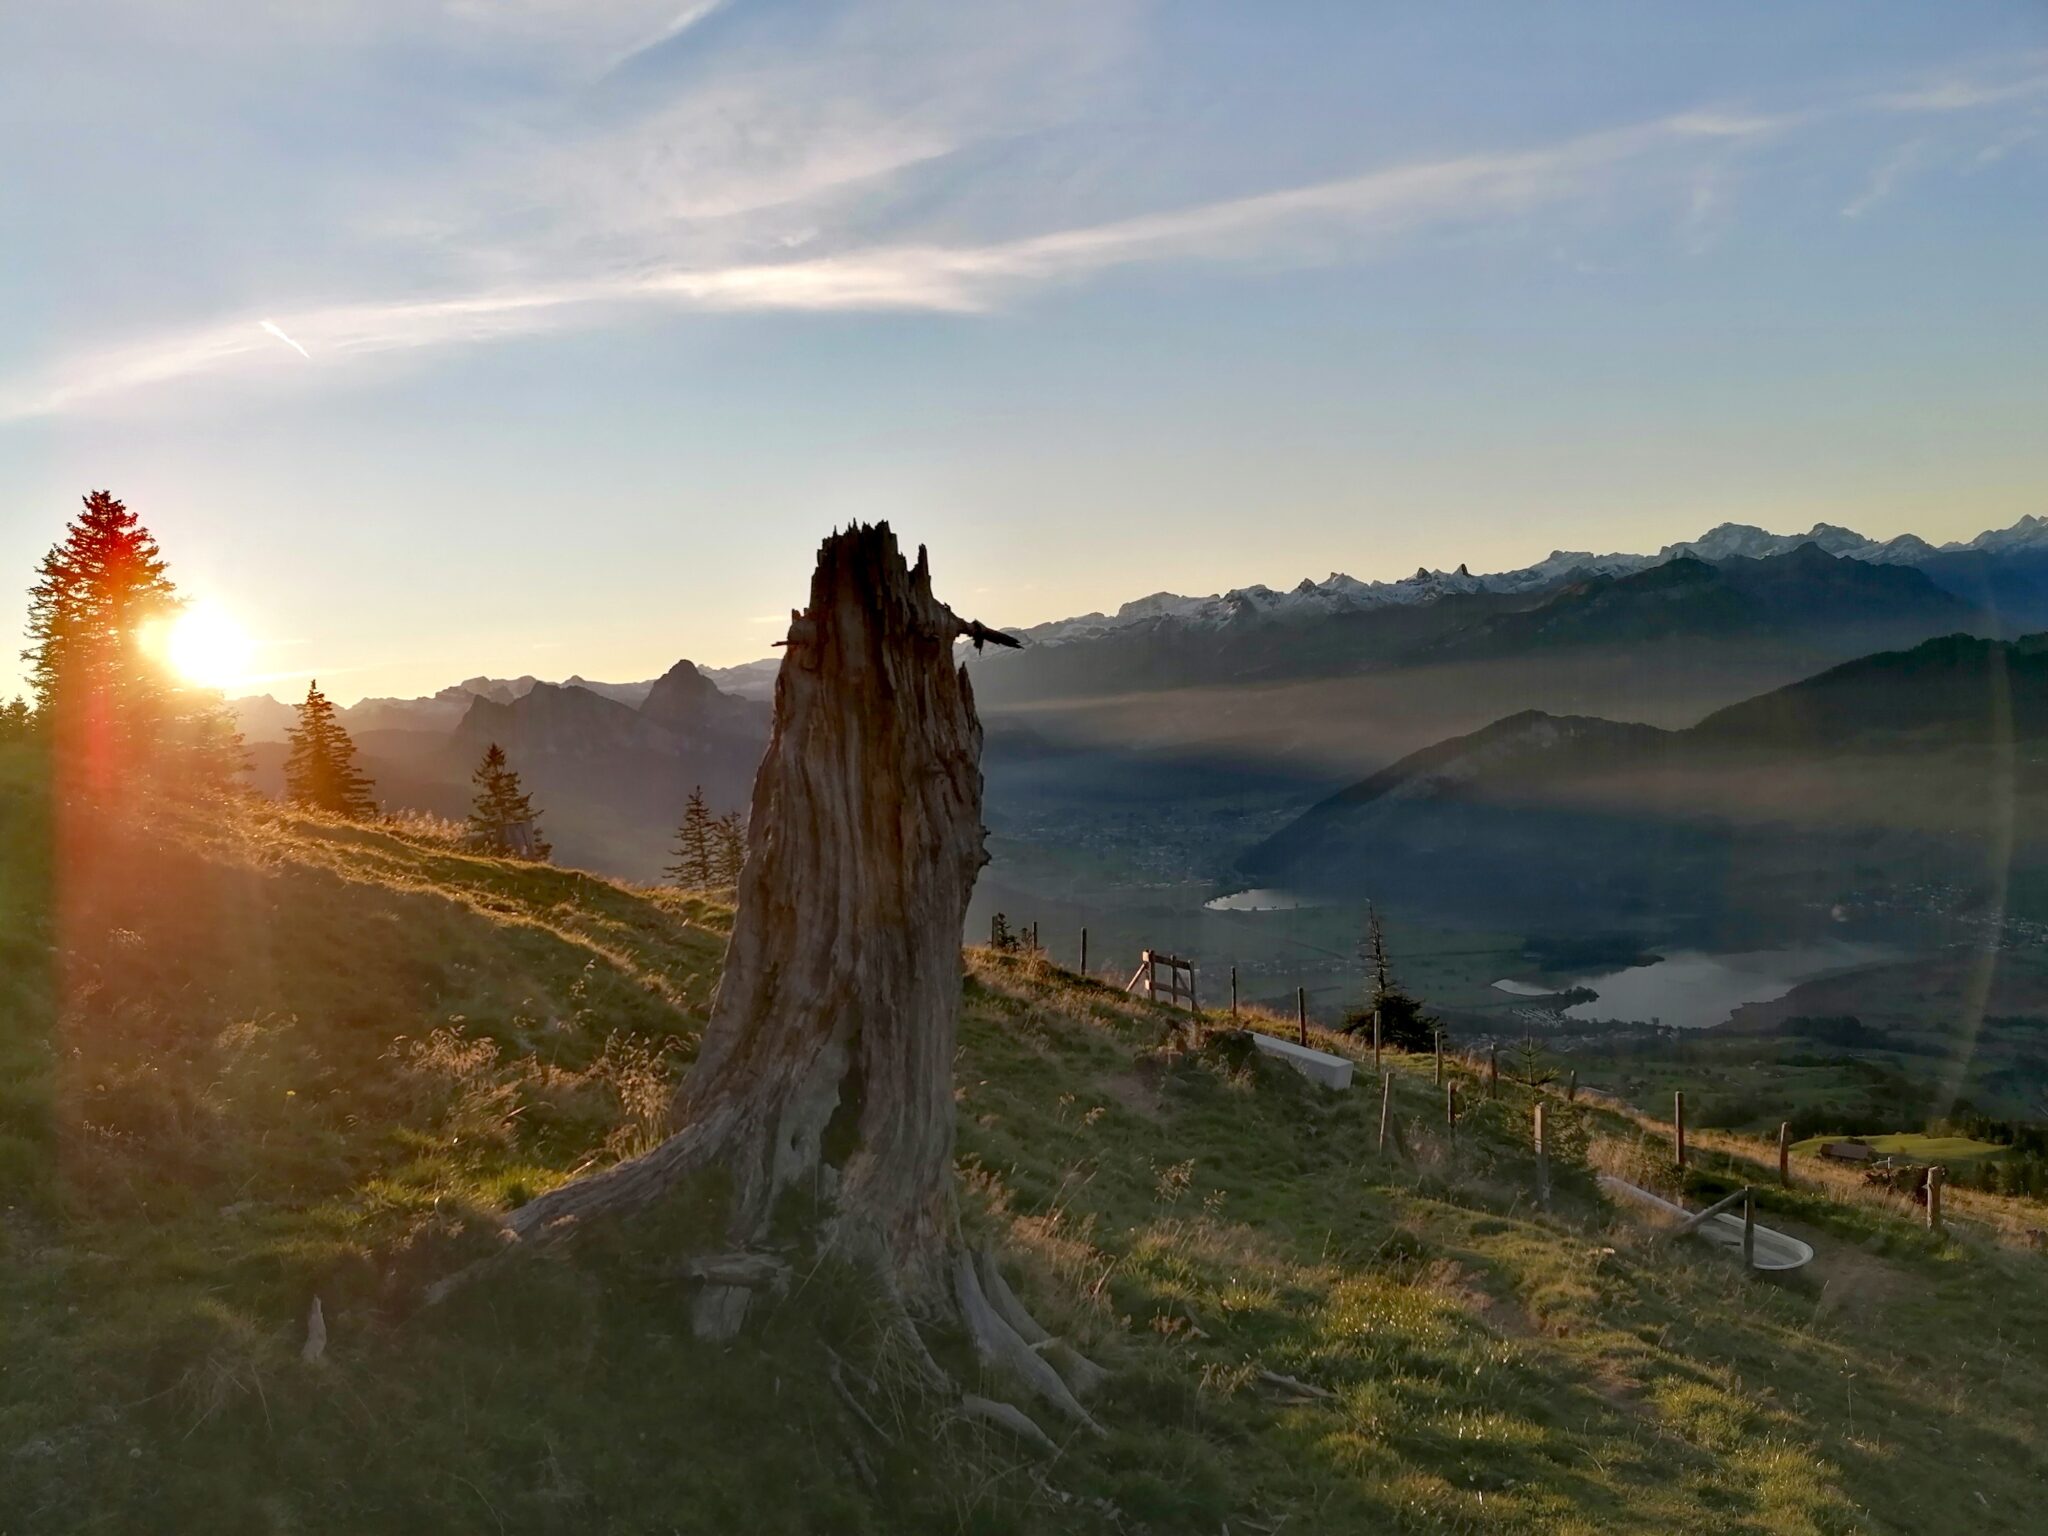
pixel 827 1064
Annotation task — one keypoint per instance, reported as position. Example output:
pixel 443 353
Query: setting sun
pixel 205 645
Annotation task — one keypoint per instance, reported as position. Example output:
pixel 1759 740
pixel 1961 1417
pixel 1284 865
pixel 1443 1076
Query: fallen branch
pixel 1295 1386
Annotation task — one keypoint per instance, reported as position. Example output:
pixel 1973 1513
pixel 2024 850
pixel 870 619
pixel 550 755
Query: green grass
pixel 249 1058
pixel 1914 1146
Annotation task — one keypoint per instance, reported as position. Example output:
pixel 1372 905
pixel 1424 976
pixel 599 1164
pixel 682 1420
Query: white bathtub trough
pixel 1774 1250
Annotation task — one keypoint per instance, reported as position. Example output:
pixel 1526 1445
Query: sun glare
pixel 205 645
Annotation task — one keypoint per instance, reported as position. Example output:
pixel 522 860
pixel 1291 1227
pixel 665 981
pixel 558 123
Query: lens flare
pixel 205 645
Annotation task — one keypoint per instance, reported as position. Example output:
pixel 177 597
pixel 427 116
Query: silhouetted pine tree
pixel 16 719
pixel 320 770
pixel 696 865
pixel 502 819
pixel 110 706
pixel 729 848
pixel 1403 1024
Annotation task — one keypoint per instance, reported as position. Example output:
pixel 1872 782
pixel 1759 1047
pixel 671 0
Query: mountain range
pixel 1185 729
pixel 1808 602
pixel 2003 573
pixel 610 766
pixel 1339 593
pixel 1908 785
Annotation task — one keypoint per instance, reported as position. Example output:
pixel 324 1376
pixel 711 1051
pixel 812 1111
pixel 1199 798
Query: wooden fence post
pixel 995 929
pixel 1233 991
pixel 1748 1230
pixel 1386 1105
pixel 1439 1035
pixel 1084 951
pixel 1542 1160
pixel 1678 1122
pixel 1785 1152
pixel 1194 1006
pixel 1571 1086
pixel 1375 1039
pixel 1934 1181
pixel 1301 1012
pixel 1451 1105
pixel 1493 1071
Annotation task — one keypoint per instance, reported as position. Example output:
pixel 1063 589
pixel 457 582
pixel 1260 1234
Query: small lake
pixel 1690 989
pixel 1261 901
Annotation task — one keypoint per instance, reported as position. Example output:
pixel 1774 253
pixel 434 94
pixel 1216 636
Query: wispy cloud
pixel 277 330
pixel 2006 143
pixel 754 193
pixel 680 22
pixel 1961 93
pixel 1885 179
pixel 1295 224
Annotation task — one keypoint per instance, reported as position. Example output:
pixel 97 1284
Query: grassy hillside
pixel 249 1058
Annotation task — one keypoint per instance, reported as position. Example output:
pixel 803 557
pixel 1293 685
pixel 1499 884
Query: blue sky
pixel 436 337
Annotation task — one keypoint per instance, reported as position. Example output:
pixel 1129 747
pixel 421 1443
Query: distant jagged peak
pixel 1342 593
pixel 686 673
pixel 684 699
pixel 1747 541
pixel 1906 549
pixel 2031 531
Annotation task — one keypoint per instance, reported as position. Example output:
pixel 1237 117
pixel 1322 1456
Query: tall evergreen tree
pixel 16 719
pixel 98 592
pixel 110 705
pixel 320 771
pixel 729 848
pixel 502 819
pixel 696 856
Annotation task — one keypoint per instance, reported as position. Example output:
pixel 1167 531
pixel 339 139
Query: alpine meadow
pixel 680 850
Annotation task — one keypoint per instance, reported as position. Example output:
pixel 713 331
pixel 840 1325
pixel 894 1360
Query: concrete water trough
pixel 1317 1066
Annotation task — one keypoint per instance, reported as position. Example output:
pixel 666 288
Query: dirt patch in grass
pixel 1502 1315
pixel 1136 1091
pixel 1845 1277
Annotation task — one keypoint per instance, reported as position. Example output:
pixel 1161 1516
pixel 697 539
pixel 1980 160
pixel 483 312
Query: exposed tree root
pixel 1076 1369
pixel 1008 1416
pixel 825 1070
pixel 997 1344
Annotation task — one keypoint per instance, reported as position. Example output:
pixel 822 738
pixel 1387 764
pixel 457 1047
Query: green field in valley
pixel 1913 1146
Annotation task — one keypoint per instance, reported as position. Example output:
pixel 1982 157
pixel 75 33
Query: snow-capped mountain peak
pixel 2029 532
pixel 1340 593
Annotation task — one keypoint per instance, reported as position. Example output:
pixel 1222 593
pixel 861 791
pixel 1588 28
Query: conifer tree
pixel 696 854
pixel 1403 1023
pixel 16 719
pixel 103 695
pixel 320 770
pixel 502 819
pixel 97 592
pixel 729 848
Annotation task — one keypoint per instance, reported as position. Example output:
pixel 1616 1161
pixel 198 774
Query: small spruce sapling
pixel 320 770
pixel 696 851
pixel 502 819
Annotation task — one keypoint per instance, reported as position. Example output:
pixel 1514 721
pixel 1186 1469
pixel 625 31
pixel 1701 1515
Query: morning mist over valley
pixel 1096 767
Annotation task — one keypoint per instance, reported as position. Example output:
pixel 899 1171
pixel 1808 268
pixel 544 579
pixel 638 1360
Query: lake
pixel 1691 989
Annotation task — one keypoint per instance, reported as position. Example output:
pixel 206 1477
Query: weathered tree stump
pixel 827 1063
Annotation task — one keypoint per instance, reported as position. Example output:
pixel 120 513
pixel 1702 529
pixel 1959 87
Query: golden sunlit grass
pixel 248 1057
